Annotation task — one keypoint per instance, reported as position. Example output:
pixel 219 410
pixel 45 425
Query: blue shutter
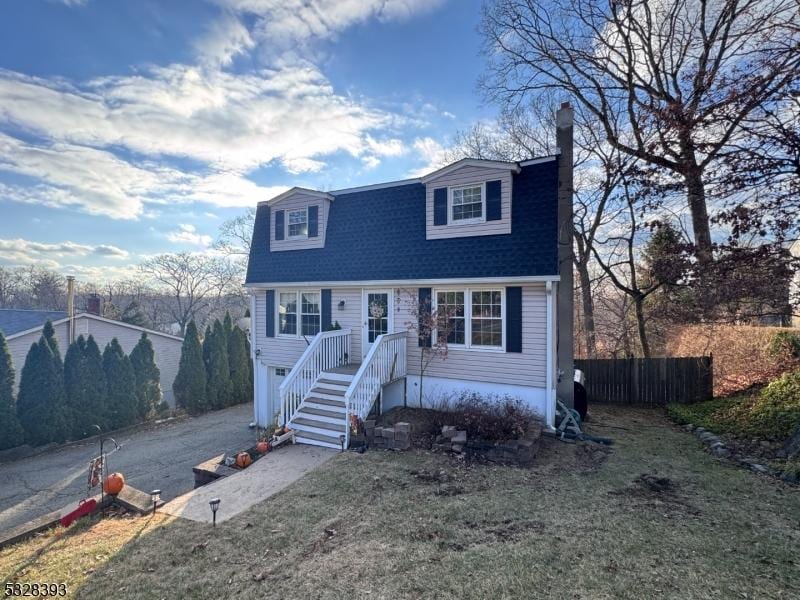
pixel 313 222
pixel 279 224
pixel 440 206
pixel 494 211
pixel 424 310
pixel 326 308
pixel 513 319
pixel 270 313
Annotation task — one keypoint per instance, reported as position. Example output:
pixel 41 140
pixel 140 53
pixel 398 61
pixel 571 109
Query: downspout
pixel 70 309
pixel 550 402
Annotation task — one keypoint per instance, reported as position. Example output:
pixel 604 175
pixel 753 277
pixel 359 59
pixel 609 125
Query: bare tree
pixel 432 328
pixel 670 83
pixel 236 234
pixel 192 282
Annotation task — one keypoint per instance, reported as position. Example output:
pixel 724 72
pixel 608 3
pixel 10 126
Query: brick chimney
pixel 93 304
pixel 566 299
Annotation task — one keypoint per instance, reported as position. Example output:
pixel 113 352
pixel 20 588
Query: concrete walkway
pixel 264 478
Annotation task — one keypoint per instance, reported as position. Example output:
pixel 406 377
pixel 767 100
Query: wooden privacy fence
pixel 653 381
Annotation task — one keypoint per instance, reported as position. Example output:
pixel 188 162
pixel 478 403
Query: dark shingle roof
pixel 13 320
pixel 380 235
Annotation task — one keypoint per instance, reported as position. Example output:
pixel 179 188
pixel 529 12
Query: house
pixel 477 236
pixel 24 327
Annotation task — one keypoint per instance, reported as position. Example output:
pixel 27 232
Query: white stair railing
pixel 327 350
pixel 385 362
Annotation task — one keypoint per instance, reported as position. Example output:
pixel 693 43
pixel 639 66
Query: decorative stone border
pixel 520 451
pixel 397 437
pixel 718 448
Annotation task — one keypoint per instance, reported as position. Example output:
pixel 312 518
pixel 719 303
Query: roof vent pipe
pixel 70 308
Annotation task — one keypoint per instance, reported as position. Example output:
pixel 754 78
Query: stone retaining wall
pixel 397 437
pixel 520 451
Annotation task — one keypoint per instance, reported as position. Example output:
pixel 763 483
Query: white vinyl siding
pixel 286 350
pixel 528 368
pixel 298 202
pixel 469 176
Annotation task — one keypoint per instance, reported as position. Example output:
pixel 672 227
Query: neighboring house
pixel 24 327
pixel 479 236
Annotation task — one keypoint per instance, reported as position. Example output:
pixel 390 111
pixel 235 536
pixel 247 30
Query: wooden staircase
pixel 322 415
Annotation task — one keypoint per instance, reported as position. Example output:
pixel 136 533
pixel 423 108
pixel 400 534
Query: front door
pixel 377 316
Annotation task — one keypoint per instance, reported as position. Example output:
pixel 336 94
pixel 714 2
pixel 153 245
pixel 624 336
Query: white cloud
pixel 432 153
pixel 294 24
pixel 370 161
pixel 187 234
pixel 226 38
pixel 22 252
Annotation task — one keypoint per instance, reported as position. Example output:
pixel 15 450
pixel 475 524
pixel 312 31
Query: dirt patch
pixel 658 493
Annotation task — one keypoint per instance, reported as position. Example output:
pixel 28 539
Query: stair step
pixel 324 426
pixel 337 402
pixel 336 377
pixel 334 385
pixel 324 393
pixel 320 412
pixel 317 439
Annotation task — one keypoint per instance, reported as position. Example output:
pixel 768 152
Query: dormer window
pixel 298 224
pixel 467 204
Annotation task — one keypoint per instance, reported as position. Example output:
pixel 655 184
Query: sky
pixel 129 129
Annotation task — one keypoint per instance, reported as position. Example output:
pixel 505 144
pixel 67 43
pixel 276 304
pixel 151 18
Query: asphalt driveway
pixel 160 456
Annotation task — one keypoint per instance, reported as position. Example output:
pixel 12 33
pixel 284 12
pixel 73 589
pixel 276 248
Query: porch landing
pixel 350 369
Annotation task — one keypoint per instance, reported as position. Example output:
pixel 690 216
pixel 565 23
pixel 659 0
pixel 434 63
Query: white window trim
pixel 298 335
pixel 450 190
pixel 288 213
pixel 468 345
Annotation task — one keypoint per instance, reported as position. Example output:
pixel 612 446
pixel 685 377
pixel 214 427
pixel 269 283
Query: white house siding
pixel 167 349
pixel 526 368
pixel 520 374
pixel 283 351
pixel 465 176
pixel 298 201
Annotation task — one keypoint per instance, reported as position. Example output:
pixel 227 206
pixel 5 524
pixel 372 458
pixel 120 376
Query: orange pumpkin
pixel 113 484
pixel 262 447
pixel 243 460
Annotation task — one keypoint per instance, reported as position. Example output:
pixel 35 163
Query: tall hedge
pixel 239 363
pixel 49 334
pixel 121 386
pixel 11 433
pixel 189 386
pixel 95 398
pixel 85 388
pixel 148 377
pixel 74 381
pixel 41 401
pixel 218 382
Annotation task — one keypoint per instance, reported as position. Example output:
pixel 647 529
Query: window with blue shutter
pixel 424 300
pixel 513 319
pixel 440 206
pixel 494 211
pixel 313 223
pixel 270 302
pixel 279 224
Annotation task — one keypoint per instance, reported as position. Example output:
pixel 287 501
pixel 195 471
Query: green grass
pixel 709 414
pixel 582 523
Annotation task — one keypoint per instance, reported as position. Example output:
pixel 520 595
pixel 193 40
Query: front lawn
pixel 653 517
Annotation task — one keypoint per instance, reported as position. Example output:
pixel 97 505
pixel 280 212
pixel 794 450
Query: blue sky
pixel 129 129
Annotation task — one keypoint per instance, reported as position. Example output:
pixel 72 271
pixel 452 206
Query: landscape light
pixel 214 504
pixel 155 496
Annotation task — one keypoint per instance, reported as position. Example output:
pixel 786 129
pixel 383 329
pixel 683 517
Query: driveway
pixel 160 456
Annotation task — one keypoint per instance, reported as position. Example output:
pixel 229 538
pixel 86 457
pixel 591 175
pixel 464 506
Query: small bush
pixel 771 413
pixel 785 344
pixel 491 418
